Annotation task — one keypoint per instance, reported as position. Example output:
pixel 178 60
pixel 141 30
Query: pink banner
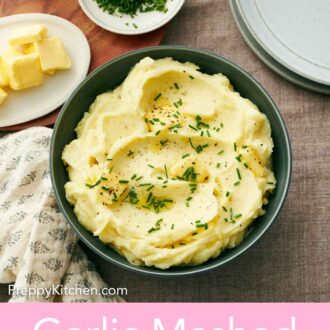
pixel 180 316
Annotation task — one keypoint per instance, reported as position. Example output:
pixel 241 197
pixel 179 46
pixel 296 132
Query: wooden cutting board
pixel 104 45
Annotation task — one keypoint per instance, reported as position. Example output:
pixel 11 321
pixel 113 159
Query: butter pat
pixel 28 34
pixel 3 75
pixel 23 70
pixel 3 95
pixel 53 55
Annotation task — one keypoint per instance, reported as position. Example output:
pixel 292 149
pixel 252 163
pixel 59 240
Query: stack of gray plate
pixel 292 37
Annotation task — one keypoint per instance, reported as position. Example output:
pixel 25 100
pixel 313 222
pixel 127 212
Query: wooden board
pixel 104 45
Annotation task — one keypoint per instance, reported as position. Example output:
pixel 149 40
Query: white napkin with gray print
pixel 38 249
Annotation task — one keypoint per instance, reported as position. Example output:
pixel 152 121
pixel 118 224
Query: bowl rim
pixel 191 270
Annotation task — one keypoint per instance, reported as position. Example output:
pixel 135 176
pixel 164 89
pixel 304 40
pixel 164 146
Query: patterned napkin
pixel 38 249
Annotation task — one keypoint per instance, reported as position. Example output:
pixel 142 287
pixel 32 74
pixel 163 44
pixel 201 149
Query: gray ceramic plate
pixel 113 73
pixel 295 33
pixel 270 61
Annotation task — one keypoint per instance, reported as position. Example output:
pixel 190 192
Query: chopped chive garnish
pixel 151 187
pixel 246 165
pixel 235 147
pixel 157 96
pixel 149 197
pixel 172 227
pixel 93 185
pixel 139 178
pixel 191 77
pixel 238 174
pixel 221 152
pixel 191 144
pixel 178 103
pixel 218 165
pixel 193 187
pixel 176 85
pixel 238 158
pixel 105 188
pixel 133 176
pixel 151 166
pixel 188 199
pixel 236 183
pixel 163 142
pixel 185 155
pixel 144 184
pixel 224 208
pixel 109 159
pixel 238 216
pixel 130 153
pixel 227 193
pixel 192 127
pixel 110 169
pixel 221 125
pixel 244 147
pixel 123 181
pixel 208 133
pixel 204 225
pixel 271 183
pixel 175 126
pixel 135 26
pixel 165 168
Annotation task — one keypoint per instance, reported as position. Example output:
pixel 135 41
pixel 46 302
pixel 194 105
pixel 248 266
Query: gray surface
pixel 292 261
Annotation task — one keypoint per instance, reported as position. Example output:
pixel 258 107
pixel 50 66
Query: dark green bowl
pixel 111 75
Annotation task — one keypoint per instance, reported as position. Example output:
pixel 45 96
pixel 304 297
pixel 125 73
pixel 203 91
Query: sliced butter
pixel 28 34
pixel 23 70
pixel 53 55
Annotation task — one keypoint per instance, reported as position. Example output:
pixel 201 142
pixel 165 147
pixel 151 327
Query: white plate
pixel 125 24
pixel 295 33
pixel 25 105
pixel 270 61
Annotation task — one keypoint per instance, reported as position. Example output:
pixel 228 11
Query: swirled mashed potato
pixel 171 167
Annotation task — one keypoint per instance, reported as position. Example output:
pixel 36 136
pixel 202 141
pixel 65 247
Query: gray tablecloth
pixel 292 261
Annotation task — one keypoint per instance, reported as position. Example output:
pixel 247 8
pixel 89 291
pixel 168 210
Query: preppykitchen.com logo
pixel 61 290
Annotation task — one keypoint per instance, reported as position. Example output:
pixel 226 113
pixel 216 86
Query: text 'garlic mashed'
pixel 171 167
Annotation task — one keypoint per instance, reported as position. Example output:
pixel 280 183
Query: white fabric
pixel 38 249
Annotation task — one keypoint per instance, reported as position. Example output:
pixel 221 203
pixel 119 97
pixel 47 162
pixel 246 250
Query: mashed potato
pixel 171 167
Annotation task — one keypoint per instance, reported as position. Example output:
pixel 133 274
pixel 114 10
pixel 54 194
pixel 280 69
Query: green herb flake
pixel 163 142
pixel 165 168
pixel 93 185
pixel 238 174
pixel 157 96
